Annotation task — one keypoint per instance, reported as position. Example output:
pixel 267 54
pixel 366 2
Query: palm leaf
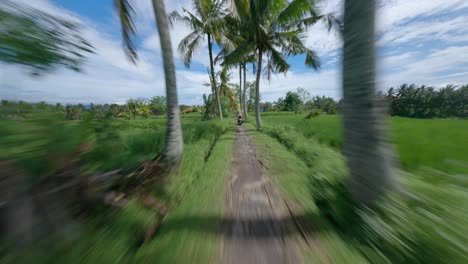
pixel 312 59
pixel 188 45
pixel 278 61
pixel 239 54
pixel 295 11
pixel 126 13
pixel 330 20
pixel 190 20
pixel 295 46
pixel 239 8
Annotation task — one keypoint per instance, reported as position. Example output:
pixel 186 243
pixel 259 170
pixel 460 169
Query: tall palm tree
pixel 274 29
pixel 206 22
pixel 369 157
pixel 241 107
pixel 244 84
pixel 174 143
pixel 173 149
pixel 234 34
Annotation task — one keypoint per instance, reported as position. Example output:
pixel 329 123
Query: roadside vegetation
pixel 106 235
pixel 422 222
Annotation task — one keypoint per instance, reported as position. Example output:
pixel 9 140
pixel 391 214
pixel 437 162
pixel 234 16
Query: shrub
pixel 312 114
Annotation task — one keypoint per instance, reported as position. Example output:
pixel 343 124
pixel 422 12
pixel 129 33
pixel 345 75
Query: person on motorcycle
pixel 240 120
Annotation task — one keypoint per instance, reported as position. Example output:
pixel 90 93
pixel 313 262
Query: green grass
pixel 190 232
pixel 424 223
pixel 42 142
pixel 435 143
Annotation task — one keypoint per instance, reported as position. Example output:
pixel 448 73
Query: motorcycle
pixel 240 121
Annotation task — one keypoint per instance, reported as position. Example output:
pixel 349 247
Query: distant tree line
pixel 406 101
pixel 132 109
pixel 427 102
pixel 299 101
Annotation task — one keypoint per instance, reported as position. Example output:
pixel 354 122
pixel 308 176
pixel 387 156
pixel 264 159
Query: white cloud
pixel 178 32
pixel 394 12
pixel 397 22
pixel 110 77
pixel 453 29
pixel 316 83
pixel 438 68
pixel 396 62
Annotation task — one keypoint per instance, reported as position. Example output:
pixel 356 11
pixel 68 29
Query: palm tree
pixel 207 21
pixel 234 35
pixel 274 29
pixel 240 90
pixel 369 157
pixel 225 89
pixel 173 149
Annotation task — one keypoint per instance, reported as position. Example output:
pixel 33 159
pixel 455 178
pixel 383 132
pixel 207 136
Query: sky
pixel 418 41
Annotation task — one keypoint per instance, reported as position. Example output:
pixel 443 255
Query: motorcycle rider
pixel 240 120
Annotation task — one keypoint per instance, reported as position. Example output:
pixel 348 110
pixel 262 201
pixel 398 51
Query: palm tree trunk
pixel 210 51
pixel 246 110
pixel 257 91
pixel 369 156
pixel 173 148
pixel 240 89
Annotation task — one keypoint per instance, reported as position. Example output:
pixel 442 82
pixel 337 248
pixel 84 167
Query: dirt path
pixel 255 225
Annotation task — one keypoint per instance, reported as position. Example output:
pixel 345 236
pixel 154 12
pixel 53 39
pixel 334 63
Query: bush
pixel 312 114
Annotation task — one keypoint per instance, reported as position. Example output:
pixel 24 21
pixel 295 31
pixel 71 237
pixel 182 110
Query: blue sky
pixel 419 41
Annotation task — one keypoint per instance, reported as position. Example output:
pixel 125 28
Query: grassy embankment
pixel 111 236
pixel 424 223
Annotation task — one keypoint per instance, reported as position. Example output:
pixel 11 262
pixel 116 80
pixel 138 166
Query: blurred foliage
pixel 423 222
pixel 41 141
pixel 112 236
pixel 38 40
pixel 157 104
pixel 41 138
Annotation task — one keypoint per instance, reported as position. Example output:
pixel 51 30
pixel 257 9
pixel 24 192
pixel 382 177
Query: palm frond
pixel 239 8
pixel 199 6
pixel 188 19
pixel 126 13
pixel 312 59
pixel 279 61
pixel 295 46
pixel 215 26
pixel 175 16
pixel 220 56
pixel 331 20
pixel 188 45
pixel 239 54
pixel 295 11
